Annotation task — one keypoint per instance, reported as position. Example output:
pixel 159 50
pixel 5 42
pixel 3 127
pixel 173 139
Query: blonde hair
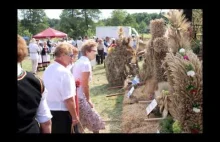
pixel 22 49
pixel 63 48
pixel 87 46
pixel 33 40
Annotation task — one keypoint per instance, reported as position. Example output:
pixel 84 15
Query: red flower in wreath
pixel 193 91
pixel 185 57
pixel 77 83
pixel 194 130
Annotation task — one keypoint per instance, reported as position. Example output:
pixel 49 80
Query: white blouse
pixel 80 66
pixel 60 84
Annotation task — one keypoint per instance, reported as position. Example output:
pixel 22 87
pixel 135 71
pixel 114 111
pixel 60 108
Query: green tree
pixel 117 17
pixel 78 22
pixel 72 23
pixel 90 15
pixel 142 27
pixel 22 31
pixel 53 22
pixel 100 23
pixel 26 33
pixel 33 20
pixel 20 27
pixel 129 20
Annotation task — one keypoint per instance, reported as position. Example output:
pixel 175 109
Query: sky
pixel 106 13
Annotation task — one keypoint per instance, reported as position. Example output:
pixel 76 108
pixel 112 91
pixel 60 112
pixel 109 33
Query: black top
pixel 28 100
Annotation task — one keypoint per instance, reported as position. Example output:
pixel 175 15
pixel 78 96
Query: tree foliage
pixel 78 22
pixel 81 22
pixel 34 20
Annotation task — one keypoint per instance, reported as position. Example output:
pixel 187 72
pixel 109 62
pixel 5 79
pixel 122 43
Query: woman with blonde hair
pixel 32 107
pixel 82 71
pixel 61 90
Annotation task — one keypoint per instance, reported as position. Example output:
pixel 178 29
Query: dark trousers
pixel 61 122
pixel 101 56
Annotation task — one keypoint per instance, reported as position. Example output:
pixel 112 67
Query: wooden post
pixel 154 119
pixel 115 87
pixel 114 94
pixel 143 102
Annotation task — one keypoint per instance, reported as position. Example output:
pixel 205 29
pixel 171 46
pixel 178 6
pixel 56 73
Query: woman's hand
pixel 75 121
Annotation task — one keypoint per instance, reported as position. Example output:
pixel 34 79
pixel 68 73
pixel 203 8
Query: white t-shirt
pixel 80 66
pixel 79 44
pixel 60 84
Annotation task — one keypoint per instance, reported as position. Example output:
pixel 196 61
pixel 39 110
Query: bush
pixel 196 46
pixel 166 125
pixel 176 127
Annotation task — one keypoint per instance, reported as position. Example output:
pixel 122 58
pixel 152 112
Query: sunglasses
pixel 70 55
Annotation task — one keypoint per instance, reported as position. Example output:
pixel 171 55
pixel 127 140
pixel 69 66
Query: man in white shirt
pixel 79 46
pixel 100 48
pixel 60 84
pixel 34 54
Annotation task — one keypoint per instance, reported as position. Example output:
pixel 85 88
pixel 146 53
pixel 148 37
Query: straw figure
pixel 117 63
pixel 186 93
pixel 156 51
pixel 178 31
pixel 183 99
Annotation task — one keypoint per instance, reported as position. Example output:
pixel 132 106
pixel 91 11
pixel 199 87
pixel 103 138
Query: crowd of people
pixel 60 102
pixel 63 104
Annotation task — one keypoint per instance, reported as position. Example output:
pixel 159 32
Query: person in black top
pixel 33 114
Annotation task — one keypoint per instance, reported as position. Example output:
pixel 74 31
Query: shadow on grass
pixel 115 115
pixel 103 90
pixel 112 107
pixel 98 67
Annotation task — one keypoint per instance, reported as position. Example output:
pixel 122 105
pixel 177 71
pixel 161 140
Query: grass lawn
pixel 145 36
pixel 109 108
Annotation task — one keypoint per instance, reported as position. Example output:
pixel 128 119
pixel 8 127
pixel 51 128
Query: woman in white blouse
pixel 82 71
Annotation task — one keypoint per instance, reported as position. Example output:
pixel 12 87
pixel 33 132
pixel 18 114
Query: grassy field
pixel 109 108
pixel 145 36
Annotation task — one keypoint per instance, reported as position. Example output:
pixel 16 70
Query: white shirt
pixel 60 84
pixel 70 66
pixel 34 49
pixel 79 44
pixel 80 66
pixel 43 111
pixel 101 46
pixel 53 49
